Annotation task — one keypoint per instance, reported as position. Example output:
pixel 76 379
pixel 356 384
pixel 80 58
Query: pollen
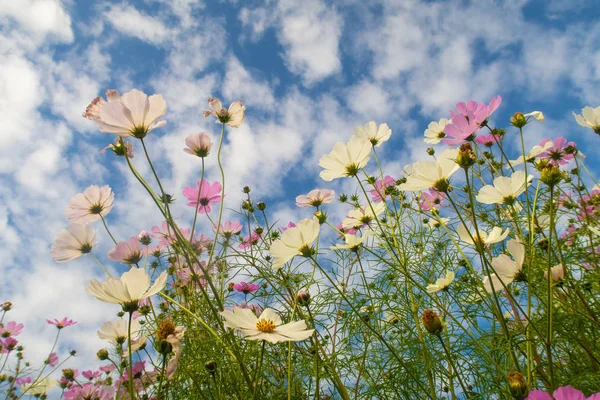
pixel 265 325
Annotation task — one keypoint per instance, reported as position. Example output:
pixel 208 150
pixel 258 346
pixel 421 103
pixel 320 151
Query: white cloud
pixel 368 99
pixel 240 84
pixel 128 20
pixel 40 18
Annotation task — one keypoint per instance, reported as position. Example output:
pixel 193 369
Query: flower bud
pixel 321 216
pixel 6 306
pixel 431 322
pixel 144 238
pixel 68 374
pixel 518 120
pixel 343 198
pixel 430 151
pixel 246 189
pixel 303 298
pixel 261 206
pixel 211 366
pixel 519 389
pixel 230 286
pixel 466 157
pixel 551 175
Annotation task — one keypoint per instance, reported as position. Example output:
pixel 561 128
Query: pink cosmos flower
pixel 232 117
pixel 230 228
pixel 89 390
pixel 128 252
pixel 560 153
pixel 186 275
pixel 107 369
pixel 72 243
pixel 91 205
pixel 479 112
pixel 246 288
pixel 10 329
pixel 378 193
pixel 562 393
pixel 256 309
pixel 249 241
pixel 7 345
pixel 24 380
pixel 288 226
pixel 431 199
pixel 487 140
pixel 463 128
pixel 63 323
pixel 133 114
pixel 167 235
pixel 315 198
pixel 349 231
pixel 52 359
pixel 198 144
pixel 89 374
pixel 209 193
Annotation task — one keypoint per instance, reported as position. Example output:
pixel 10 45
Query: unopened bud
pixel 144 238
pixel 211 366
pixel 303 298
pixel 430 151
pixel 321 216
pixel 518 120
pixel 517 385
pixel 466 157
pixel 261 206
pixel 431 322
pixel 246 189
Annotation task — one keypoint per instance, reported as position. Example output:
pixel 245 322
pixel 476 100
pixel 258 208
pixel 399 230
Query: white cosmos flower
pixel 506 269
pixel 505 189
pixel 38 387
pixel 116 331
pixel 234 116
pixel 495 236
pixel 373 134
pixel 590 118
pixel 133 114
pixel 345 160
pixel 352 242
pixel 129 289
pixel 433 223
pixel 435 131
pixel 266 327
pixel 430 174
pixel 441 283
pixel 295 241
pixel 535 151
pixel 365 215
pixel 315 198
pixel 73 242
pixel 558 273
pixel 95 202
pixel 537 115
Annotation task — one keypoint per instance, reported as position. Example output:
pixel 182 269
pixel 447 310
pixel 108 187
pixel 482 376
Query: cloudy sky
pixel 308 72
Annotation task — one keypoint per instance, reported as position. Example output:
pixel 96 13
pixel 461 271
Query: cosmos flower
pixel 119 148
pixel 562 393
pixel 590 118
pixel 495 236
pixel 352 242
pixel 315 198
pixel 268 326
pixel 11 328
pixel 558 273
pixel 73 242
pixel 128 252
pixel 295 241
pixel 38 387
pixel 373 134
pixel 432 174
pixel 91 205
pixel 487 140
pixel 363 216
pixel 209 193
pixel 506 269
pixel 52 359
pixel 537 115
pixel 441 283
pixel 431 199
pixel 128 290
pixel 505 189
pixel 246 288
pixel 378 193
pixel 230 228
pixel 559 153
pixel 133 114
pixel 345 160
pixel 63 323
pixel 232 117
pixel 433 223
pixel 435 131
pixel 461 129
pixel 198 144
pixel 533 153
pixel 116 331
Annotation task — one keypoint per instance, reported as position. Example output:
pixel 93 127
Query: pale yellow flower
pixel 345 160
pixel 505 189
pixel 435 131
pixel 373 134
pixel 441 283
pixel 590 118
pixel 505 269
pixel 496 235
pixel 295 241
pixel 432 174
pixel 537 115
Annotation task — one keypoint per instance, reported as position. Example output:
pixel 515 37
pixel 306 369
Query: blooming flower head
pixel 268 326
pixel 533 153
pixel 478 112
pixel 430 174
pixel 40 386
pixel 232 117
pixel 432 199
pixel 345 160
pixel 295 241
pixel 433 223
pixel 128 252
pixel 435 131
pixel 63 323
pixel 558 273
pixel 352 242
pixel 461 129
pixel 487 140
pixel 128 290
pixel 537 115
pixel 562 393
pixel 133 114
pixel 496 235
pixel 246 288
pixel 209 193
pixel 505 189
pixel 505 268
pixel 117 331
pixel 52 359
pixel 373 134
pixel 7 345
pixel 315 198
pixel 363 216
pixel 559 153
pixel 441 283
pixel 10 329
pixel 90 390
pixel 381 188
pixel 89 374
pixel 230 228
pixel 590 118
pixel 249 241
pixel 73 242
pixel 91 205
pixel 198 144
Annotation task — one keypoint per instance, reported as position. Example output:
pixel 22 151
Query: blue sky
pixel 308 73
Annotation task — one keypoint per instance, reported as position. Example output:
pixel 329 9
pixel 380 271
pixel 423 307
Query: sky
pixel 308 73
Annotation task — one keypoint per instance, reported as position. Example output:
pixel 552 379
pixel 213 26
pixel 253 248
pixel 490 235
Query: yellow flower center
pixel 265 325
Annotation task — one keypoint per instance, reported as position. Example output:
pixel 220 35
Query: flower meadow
pixel 471 275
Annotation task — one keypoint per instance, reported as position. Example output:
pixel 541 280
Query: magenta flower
pixel 349 231
pixel 128 252
pixel 108 368
pixel 230 228
pixel 249 241
pixel 186 275
pixel 10 329
pixel 90 391
pixel 63 323
pixel 89 374
pixel 562 393
pixel 487 140
pixel 288 226
pixel 478 112
pixel 8 345
pixel 380 187
pixel 560 153
pixel 209 193
pixel 52 359
pixel 463 128
pixel 246 288
pixel 24 380
pixel 431 199
pixel 166 234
